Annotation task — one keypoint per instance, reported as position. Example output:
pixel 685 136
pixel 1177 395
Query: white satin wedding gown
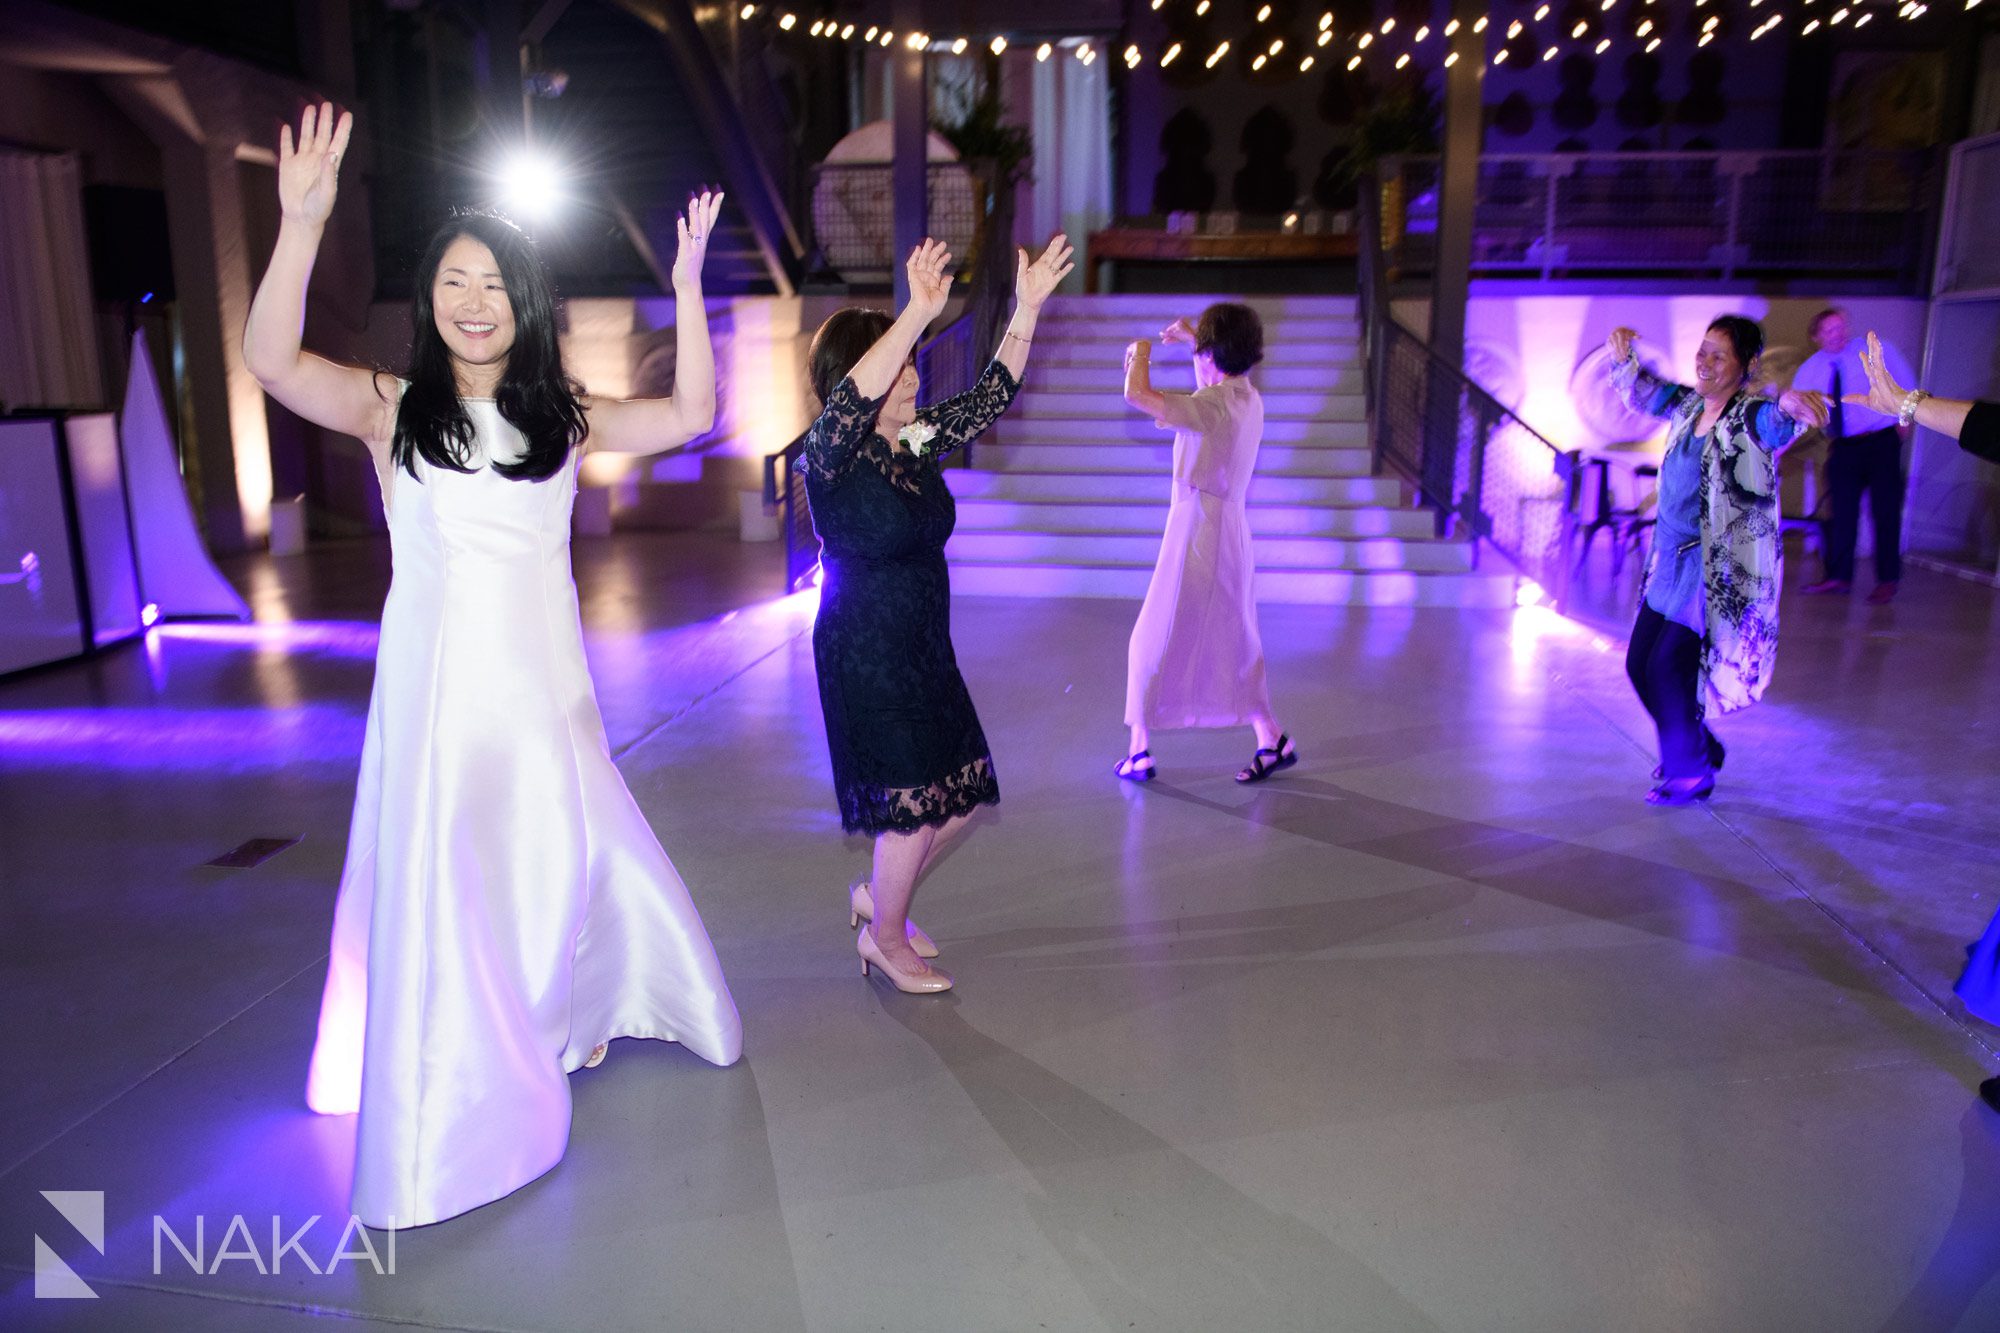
pixel 505 907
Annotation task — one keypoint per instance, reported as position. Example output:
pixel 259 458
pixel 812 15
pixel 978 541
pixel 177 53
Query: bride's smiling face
pixel 469 304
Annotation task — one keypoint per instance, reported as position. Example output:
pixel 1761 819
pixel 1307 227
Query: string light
pixel 1579 30
pixel 1645 27
pixel 788 22
pixel 1402 60
pixel 958 47
pixel 1809 28
pixel 1451 28
pixel 1550 54
pixel 1481 25
pixel 1276 46
pixel 1603 46
pixel 1305 64
pixel 1388 26
pixel 1258 63
pixel 1201 8
pixel 1325 21
pixel 1862 22
pixel 1132 57
pixel 869 36
pixel 1043 51
pixel 1652 46
pixel 1543 13
pixel 1500 56
pixel 887 37
pixel 1264 14
pixel 817 25
pixel 1513 30
pixel 1451 59
pixel 998 46
pixel 1353 62
pixel 847 32
pixel 1325 37
pixel 1708 37
pixel 1172 54
pixel 1215 56
pixel 748 12
pixel 1366 38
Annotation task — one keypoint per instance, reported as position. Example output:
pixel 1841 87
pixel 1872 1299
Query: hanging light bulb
pixel 958 47
pixel 1324 38
pixel 1388 26
pixel 1809 28
pixel 1305 64
pixel 1258 63
pixel 1500 56
pixel 1044 51
pixel 1132 55
pixel 1276 46
pixel 1422 33
pixel 1481 25
pixel 1645 27
pixel 1215 56
pixel 869 36
pixel 1264 14
pixel 1170 55
pixel 1513 30
pixel 748 12
pixel 1402 60
pixel 1706 38
pixel 1603 46
pixel 1451 28
pixel 788 22
pixel 1550 54
pixel 1862 22
pixel 1652 46
pixel 1451 60
pixel 817 25
pixel 847 32
pixel 1366 39
pixel 1326 21
pixel 1201 8
pixel 1543 12
pixel 997 46
pixel 1353 63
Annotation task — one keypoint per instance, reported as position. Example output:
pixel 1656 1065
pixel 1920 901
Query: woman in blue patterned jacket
pixel 1708 617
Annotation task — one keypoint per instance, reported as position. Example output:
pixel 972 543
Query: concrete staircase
pixel 1068 493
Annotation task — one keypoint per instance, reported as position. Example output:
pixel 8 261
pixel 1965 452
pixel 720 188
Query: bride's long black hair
pixel 535 395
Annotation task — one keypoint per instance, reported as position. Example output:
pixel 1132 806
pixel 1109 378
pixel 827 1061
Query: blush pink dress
pixel 1196 659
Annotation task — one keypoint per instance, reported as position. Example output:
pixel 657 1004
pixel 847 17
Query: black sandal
pixel 1128 767
pixel 1280 759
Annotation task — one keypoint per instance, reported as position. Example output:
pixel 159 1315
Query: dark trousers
pixel 1664 662
pixel 1872 463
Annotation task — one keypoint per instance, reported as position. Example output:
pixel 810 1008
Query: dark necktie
pixel 1836 423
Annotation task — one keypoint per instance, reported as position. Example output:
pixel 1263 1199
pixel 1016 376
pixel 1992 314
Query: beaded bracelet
pixel 1908 412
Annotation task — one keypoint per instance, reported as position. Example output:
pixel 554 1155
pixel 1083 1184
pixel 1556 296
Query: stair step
pixel 1301 553
pixel 1287 405
pixel 1025 485
pixel 1120 329
pixel 1272 380
pixel 1335 587
pixel 1149 517
pixel 1170 364
pixel 1169 306
pixel 1131 428
pixel 1157 459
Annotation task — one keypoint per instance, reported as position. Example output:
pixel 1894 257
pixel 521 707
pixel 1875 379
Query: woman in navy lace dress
pixel 910 763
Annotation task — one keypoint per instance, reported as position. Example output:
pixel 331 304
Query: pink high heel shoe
pixel 930 981
pixel 861 907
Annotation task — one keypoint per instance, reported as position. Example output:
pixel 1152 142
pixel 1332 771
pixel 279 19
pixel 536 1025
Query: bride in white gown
pixel 505 911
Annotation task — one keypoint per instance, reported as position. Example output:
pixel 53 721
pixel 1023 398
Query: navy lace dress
pixel 906 745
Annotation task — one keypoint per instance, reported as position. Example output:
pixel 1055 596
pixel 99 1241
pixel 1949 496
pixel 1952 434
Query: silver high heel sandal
pixel 930 981
pixel 861 907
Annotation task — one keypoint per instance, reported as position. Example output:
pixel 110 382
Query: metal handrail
pixel 1407 383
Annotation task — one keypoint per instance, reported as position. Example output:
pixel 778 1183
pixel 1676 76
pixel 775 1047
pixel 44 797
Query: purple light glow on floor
pixel 210 740
pixel 340 638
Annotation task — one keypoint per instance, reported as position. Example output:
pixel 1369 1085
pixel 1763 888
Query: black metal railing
pixel 1841 216
pixel 1485 473
pixel 785 491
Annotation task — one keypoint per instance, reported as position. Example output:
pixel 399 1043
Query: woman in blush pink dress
pixel 1196 659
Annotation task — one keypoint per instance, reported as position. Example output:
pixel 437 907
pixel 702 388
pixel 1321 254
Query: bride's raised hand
pixel 309 174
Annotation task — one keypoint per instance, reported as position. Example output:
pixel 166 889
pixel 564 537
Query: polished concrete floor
pixel 1443 1029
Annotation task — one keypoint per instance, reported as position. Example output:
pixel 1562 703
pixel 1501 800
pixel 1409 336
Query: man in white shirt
pixel 1865 454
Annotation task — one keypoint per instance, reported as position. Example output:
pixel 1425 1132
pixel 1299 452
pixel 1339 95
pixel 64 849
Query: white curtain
pixel 1071 190
pixel 48 345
